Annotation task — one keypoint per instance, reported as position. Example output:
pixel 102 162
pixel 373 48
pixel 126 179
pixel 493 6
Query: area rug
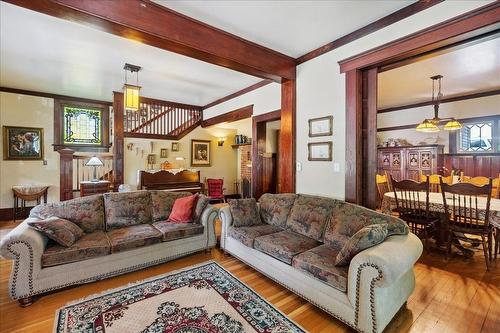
pixel 198 299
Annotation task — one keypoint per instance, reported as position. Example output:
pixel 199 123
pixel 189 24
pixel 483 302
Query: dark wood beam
pixel 385 21
pixel 353 154
pixel 54 96
pixel 118 140
pixel 369 119
pixel 258 149
pixel 269 116
pixel 444 100
pixel 158 26
pixel 286 181
pixel 474 23
pixel 238 114
pixel 238 93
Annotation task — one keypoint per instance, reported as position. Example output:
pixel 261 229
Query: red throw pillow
pixel 182 211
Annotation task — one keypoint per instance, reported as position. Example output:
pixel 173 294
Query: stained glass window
pixel 82 126
pixel 476 137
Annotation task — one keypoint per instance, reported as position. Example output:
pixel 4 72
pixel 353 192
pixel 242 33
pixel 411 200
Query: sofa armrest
pixel 386 263
pixel 208 220
pixel 226 220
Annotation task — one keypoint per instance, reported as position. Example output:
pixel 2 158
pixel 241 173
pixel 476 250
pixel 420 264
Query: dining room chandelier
pixel 431 125
pixel 131 91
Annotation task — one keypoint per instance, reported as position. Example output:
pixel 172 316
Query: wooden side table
pixel 91 188
pixel 27 193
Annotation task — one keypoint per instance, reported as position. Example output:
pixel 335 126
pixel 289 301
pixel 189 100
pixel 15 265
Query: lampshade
pixel 427 127
pixel 452 125
pixel 131 97
pixel 94 161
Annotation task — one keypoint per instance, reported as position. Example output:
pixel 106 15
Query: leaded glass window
pixel 476 137
pixel 82 126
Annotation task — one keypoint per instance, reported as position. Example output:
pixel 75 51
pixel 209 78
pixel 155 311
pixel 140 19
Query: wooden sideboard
pixel 409 162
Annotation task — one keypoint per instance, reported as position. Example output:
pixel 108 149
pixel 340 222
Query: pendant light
pixel 130 91
pixel 431 125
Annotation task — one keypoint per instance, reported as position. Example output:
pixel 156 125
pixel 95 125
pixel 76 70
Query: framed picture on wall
pixel 175 146
pixel 321 126
pixel 200 153
pixel 22 143
pixel 320 151
pixel 163 153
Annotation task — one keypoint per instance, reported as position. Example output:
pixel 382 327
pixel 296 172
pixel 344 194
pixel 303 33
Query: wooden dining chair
pixel 435 181
pixel 412 204
pixel 464 216
pixel 495 191
pixel 478 181
pixel 383 185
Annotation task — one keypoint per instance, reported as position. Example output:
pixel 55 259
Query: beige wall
pixel 30 111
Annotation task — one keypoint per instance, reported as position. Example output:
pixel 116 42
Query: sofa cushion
pixel 86 212
pixel 92 245
pixel 320 263
pixel 247 235
pixel 310 215
pixel 367 237
pixel 201 204
pixel 347 219
pixel 171 231
pixel 134 236
pixel 163 201
pixel 127 208
pixel 62 231
pixel 275 208
pixel 245 212
pixel 284 245
pixel 183 209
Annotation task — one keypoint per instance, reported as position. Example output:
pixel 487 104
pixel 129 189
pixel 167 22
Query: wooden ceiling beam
pixel 152 24
pixel 238 114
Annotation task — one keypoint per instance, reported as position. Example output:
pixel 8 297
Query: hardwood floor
pixel 451 296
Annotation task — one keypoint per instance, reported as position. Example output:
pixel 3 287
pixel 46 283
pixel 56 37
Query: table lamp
pixel 95 162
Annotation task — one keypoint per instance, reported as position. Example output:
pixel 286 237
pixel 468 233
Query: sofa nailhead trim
pixel 372 293
pixel 15 271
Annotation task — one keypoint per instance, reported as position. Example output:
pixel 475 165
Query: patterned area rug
pixel 199 299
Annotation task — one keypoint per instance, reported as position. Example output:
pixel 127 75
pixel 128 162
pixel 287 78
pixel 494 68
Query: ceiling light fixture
pixel 130 91
pixel 431 125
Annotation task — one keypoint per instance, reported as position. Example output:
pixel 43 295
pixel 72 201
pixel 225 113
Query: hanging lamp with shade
pixel 432 125
pixel 130 91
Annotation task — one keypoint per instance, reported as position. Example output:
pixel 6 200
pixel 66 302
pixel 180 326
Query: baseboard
pixel 7 214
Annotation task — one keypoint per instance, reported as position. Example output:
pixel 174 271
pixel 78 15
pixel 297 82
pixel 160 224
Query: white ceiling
pixel 290 27
pixel 42 53
pixel 471 69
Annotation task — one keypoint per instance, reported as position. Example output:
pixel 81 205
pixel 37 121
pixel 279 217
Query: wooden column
pixel 118 139
pixel 369 124
pixel 258 149
pixel 353 154
pixel 286 181
pixel 66 174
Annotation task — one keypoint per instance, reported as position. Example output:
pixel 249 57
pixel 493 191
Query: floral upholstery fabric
pixel 62 231
pixel 127 208
pixel 163 201
pixel 309 215
pixel 91 245
pixel 245 212
pixel 131 237
pixel 367 237
pixel 284 245
pixel 275 208
pixel 320 263
pixel 171 231
pixel 247 235
pixel 86 212
pixel 201 204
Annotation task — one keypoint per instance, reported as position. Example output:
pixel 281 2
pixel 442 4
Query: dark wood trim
pixel 7 214
pixel 238 93
pixel 461 28
pixel 268 116
pixel 444 100
pixel 238 114
pixel 258 149
pixel 150 136
pixel 65 174
pixel 369 119
pixel 118 140
pixel 412 126
pixel 139 20
pixel 54 96
pixel 287 157
pixel 385 21
pixel 396 128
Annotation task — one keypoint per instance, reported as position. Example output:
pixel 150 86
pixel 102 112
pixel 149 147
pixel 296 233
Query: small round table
pixel 27 193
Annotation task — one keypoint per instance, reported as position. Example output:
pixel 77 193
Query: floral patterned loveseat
pixel 123 232
pixel 297 240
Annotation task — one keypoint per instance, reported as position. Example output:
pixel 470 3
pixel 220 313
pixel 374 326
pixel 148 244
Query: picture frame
pixel 151 159
pixel 163 153
pixel 322 126
pixel 22 143
pixel 320 151
pixel 201 154
pixel 175 146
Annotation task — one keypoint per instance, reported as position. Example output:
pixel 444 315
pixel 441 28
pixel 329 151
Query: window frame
pixel 454 145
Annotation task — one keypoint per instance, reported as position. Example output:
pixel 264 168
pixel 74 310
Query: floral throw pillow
pixel 244 212
pixel 366 237
pixel 62 231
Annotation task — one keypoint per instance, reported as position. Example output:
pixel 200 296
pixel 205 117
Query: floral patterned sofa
pixel 297 242
pixel 123 232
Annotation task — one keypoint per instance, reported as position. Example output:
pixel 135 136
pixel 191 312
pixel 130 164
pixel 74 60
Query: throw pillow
pixel 62 231
pixel 182 210
pixel 366 237
pixel 397 227
pixel 244 212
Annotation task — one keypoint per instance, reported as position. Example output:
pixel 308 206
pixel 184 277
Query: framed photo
pixel 320 151
pixel 22 143
pixel 151 159
pixel 321 126
pixel 163 153
pixel 200 153
pixel 175 146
